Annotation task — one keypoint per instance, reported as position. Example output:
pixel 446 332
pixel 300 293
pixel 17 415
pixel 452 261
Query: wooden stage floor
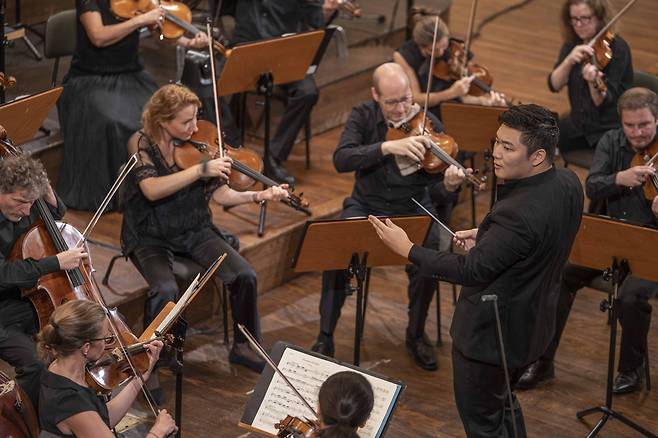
pixel 519 48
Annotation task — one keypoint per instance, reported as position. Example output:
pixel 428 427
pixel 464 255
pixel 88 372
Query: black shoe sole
pixel 425 366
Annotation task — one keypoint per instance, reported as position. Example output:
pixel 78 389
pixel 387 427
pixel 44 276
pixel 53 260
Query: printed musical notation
pixel 307 373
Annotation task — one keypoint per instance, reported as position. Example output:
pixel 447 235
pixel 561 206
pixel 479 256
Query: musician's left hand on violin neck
pixel 454 177
pixel 274 193
pixel 200 41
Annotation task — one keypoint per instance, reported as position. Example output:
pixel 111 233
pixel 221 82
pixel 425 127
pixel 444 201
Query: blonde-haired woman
pixel 78 333
pixel 166 214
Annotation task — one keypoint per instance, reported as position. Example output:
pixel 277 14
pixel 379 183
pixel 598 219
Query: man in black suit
pixel 517 253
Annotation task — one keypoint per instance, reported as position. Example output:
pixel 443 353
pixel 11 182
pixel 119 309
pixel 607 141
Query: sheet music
pixel 307 373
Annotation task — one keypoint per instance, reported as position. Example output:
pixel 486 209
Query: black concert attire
pixel 614 154
pixel 153 232
pixel 100 108
pixel 61 398
pixel 18 320
pixel 586 122
pixel 380 189
pixel 522 246
pixel 257 20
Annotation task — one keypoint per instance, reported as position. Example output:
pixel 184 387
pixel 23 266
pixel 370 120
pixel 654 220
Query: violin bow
pixel 126 169
pixel 266 357
pixel 467 44
pixel 429 77
pixel 612 21
pixel 215 99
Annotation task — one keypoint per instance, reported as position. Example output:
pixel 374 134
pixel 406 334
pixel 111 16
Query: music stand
pixel 474 129
pixel 353 244
pixel 22 118
pixel 616 248
pixel 261 65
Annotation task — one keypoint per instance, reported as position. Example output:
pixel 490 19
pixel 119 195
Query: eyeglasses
pixel 394 102
pixel 108 340
pixel 585 19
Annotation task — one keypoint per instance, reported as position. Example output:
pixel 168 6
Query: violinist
pixel 166 213
pixel 78 333
pixel 104 93
pixel 381 189
pixel 593 107
pixel 345 401
pixel 613 179
pixel 414 56
pixel 517 253
pixel 23 180
pixel 257 20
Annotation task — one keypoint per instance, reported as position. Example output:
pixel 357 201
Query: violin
pixel 18 418
pixel 451 67
pixel 442 151
pixel 204 145
pixel 178 17
pixel 648 157
pixel 602 45
pixel 294 427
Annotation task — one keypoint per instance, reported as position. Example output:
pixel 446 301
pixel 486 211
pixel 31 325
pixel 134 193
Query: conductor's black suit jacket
pixel 522 246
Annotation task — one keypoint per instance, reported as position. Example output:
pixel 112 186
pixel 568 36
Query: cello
pixel 17 416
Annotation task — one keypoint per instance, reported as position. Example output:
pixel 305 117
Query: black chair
pixel 60 38
pixel 184 269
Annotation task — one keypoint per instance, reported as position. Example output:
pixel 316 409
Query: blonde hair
pixel 70 326
pixel 164 105
pixel 423 33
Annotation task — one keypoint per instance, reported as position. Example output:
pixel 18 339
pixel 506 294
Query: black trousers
pixel 420 290
pixel 18 324
pixel 571 138
pixel 156 265
pixel 634 313
pixel 481 397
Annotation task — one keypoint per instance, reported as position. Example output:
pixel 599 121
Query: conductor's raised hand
pixel 465 239
pixel 410 147
pixel 393 236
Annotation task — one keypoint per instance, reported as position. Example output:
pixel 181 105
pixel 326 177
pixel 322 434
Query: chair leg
pixel 647 367
pixel 110 267
pixel 225 313
pixel 439 340
pixel 366 288
pixel 307 135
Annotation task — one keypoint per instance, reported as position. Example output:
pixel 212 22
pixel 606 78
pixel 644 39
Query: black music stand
pixel 261 65
pixel 353 244
pixel 614 247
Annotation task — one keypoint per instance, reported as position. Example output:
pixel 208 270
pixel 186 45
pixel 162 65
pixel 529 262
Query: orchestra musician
pixel 345 401
pixel 257 20
pixel 414 57
pixel 593 109
pixel 381 189
pixel 517 253
pixel 613 180
pixel 23 180
pixel 78 333
pixel 166 214
pixel 104 93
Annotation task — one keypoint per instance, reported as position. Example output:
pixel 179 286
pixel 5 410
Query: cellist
pixel 23 180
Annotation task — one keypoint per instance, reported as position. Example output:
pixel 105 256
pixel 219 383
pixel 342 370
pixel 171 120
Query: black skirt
pixel 98 114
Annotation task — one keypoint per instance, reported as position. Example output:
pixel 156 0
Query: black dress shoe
pixel 536 374
pixel 324 345
pixel 275 170
pixel 423 352
pixel 628 381
pixel 246 357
